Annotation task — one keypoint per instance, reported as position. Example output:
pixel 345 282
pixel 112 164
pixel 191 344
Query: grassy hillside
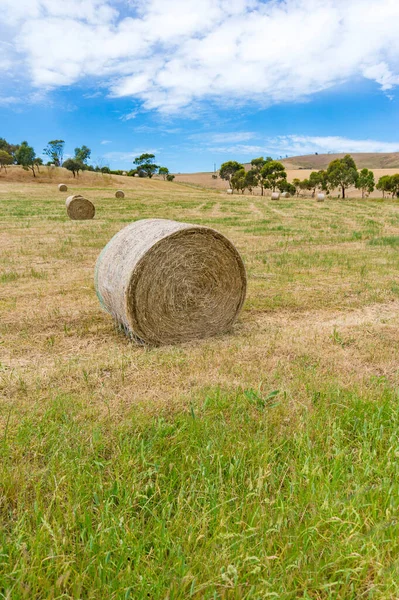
pixel 259 464
pixel 375 160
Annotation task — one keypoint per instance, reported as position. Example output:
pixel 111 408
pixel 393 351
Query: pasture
pixel 259 464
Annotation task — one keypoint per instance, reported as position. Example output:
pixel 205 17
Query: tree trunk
pixel 343 193
pixel 261 188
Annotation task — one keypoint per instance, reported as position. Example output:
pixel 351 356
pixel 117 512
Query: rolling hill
pixel 371 160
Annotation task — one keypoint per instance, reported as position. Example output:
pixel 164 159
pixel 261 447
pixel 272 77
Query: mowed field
pixel 259 464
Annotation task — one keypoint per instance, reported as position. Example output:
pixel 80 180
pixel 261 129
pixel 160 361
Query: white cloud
pixel 104 142
pixel 124 157
pixel 229 137
pixel 295 145
pixel 171 54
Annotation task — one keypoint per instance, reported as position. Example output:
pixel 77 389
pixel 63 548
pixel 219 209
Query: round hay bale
pixel 79 208
pixel 62 187
pixel 275 195
pixel 320 197
pixel 119 194
pixel 229 191
pixel 124 173
pixel 285 195
pixel 166 282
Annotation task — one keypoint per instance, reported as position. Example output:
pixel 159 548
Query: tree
pixel 273 174
pixel 251 179
pixel 395 185
pixel 365 182
pixel 9 148
pixel 384 184
pixel 145 163
pixel 257 166
pixel 297 184
pixel 38 163
pixel 73 165
pixel 228 169
pixel 284 186
pixel 342 173
pixel 164 171
pixel 55 151
pixel 237 180
pixel 25 156
pixel 5 159
pixel 82 154
pixel 170 177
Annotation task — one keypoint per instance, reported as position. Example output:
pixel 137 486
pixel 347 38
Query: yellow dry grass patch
pixel 323 299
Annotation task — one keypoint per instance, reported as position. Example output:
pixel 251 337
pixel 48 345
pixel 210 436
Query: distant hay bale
pixel 229 191
pixel 275 195
pixel 320 197
pixel 124 173
pixel 79 208
pixel 286 195
pixel 119 194
pixel 62 187
pixel 166 282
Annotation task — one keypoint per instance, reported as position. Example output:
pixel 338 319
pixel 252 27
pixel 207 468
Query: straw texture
pixel 166 282
pixel 62 187
pixel 119 194
pixel 79 208
pixel 275 196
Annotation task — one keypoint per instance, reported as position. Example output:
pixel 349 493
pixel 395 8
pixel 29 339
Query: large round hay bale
pixel 62 187
pixel 275 195
pixel 79 208
pixel 286 195
pixel 166 282
pixel 320 197
pixel 229 191
pixel 119 194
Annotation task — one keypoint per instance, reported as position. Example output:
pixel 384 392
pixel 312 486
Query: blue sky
pixel 200 83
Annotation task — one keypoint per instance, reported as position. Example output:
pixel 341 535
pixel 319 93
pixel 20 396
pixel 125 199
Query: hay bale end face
pixel 166 282
pixel 285 195
pixel 119 194
pixel 275 196
pixel 79 208
pixel 62 187
pixel 320 197
pixel 229 191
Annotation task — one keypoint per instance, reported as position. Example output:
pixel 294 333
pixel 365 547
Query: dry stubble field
pixel 263 463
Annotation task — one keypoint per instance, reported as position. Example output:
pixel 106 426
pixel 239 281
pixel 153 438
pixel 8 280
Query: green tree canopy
pixel 237 180
pixel 145 163
pixel 5 159
pixel 384 184
pixel 228 169
pixel 73 165
pixel 365 182
pixel 25 156
pixel 164 171
pixel 170 177
pixel 82 154
pixel 9 148
pixel 251 179
pixel 273 174
pixel 55 151
pixel 342 173
pixel 257 166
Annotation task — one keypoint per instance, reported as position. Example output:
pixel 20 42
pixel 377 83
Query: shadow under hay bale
pixel 119 194
pixel 79 208
pixel 166 282
pixel 62 187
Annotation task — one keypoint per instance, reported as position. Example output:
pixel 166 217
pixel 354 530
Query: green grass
pixel 238 498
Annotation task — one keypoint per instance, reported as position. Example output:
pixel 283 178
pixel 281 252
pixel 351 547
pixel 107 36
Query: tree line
pixel 341 173
pixel 23 154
